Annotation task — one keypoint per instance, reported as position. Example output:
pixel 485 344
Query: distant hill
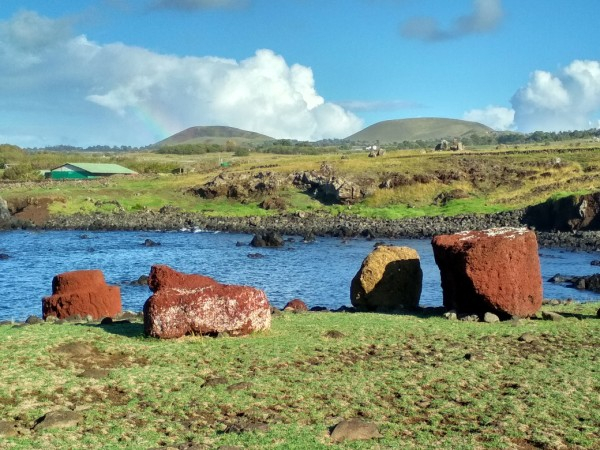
pixel 213 135
pixel 413 129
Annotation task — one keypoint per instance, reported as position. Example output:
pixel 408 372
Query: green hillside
pixel 213 135
pixel 414 129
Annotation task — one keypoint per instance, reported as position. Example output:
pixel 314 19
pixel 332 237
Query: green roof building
pixel 86 171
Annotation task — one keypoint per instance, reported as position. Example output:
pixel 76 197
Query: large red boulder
pixel 496 270
pixel 185 304
pixel 83 293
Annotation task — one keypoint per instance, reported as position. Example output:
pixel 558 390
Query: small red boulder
pixel 495 270
pixel 185 304
pixel 83 293
pixel 295 305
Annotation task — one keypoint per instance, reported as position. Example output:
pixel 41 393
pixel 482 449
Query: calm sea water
pixel 318 272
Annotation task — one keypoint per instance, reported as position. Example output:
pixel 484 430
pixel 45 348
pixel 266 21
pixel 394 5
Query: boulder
pixel 185 304
pixel 390 278
pixel 83 293
pixel 495 270
pixel 295 305
pixel 268 239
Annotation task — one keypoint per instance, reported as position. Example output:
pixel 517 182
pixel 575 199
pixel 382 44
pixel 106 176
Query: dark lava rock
pixel 4 256
pixel 268 239
pixel 150 243
pixel 34 320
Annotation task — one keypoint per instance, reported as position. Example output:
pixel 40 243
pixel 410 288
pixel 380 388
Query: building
pixel 86 171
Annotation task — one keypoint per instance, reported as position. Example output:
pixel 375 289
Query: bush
pixel 21 172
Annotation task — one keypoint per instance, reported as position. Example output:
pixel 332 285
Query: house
pixel 86 171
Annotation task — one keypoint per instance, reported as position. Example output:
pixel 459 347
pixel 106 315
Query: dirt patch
pixel 34 210
pixel 92 362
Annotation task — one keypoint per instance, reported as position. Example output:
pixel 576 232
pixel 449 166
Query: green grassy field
pixel 487 179
pixel 425 382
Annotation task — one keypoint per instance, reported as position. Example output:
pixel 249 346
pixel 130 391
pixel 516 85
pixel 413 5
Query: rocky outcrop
pixel 83 293
pixel 184 304
pixel 389 279
pixel 575 212
pixel 241 186
pixel 330 188
pixel 495 270
pixel 4 212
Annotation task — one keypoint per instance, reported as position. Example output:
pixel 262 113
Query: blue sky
pixel 132 72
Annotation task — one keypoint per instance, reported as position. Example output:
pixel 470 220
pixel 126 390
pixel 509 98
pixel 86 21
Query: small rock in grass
pixel 214 381
pixel 470 318
pixel 474 356
pixel 451 315
pixel 354 430
pixel 295 305
pixel 58 419
pixel 527 337
pixel 598 314
pixel 490 318
pixel 550 315
pixel 244 385
pixel 7 429
pixel 33 320
pixel 334 334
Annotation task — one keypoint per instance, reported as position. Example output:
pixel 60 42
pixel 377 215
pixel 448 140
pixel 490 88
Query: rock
pixel 268 239
pixel 150 243
pixel 550 315
pixel 451 315
pixel 7 429
pixel 33 320
pixel 489 317
pixel 276 203
pixel 82 293
pixel 389 279
pixel 354 430
pixel 58 419
pixel 492 270
pixel 4 211
pixel 4 256
pixel 575 212
pixel 295 305
pixel 595 262
pixel 255 255
pixel 193 304
pixel 141 281
pixel 469 318
pixel 527 337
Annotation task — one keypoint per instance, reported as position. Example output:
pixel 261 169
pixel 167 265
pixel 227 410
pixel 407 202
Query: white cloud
pixel 118 94
pixel 566 100
pixel 485 17
pixel 496 117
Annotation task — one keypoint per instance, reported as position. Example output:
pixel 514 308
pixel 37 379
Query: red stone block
pixel 496 270
pixel 201 305
pixel 83 293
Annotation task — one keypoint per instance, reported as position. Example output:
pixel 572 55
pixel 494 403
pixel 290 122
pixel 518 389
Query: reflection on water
pixel 318 272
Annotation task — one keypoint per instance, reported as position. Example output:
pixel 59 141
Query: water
pixel 319 272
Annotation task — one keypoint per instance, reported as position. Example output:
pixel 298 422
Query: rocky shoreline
pixel 309 225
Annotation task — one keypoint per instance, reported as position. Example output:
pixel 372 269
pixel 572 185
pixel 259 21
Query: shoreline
pixel 309 225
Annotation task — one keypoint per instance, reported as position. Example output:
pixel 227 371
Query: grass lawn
pixel 426 382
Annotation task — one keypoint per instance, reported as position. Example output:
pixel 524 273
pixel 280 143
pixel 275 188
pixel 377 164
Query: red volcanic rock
pixel 82 292
pixel 201 305
pixel 163 277
pixel 495 270
pixel 296 305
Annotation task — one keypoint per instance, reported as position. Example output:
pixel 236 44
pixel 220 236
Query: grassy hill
pixel 213 135
pixel 413 129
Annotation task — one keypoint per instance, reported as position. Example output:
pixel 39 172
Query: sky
pixel 133 72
